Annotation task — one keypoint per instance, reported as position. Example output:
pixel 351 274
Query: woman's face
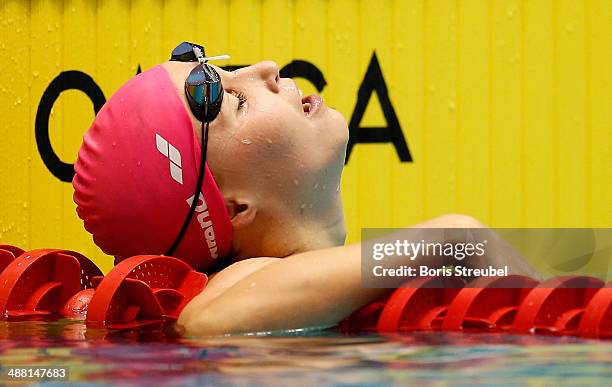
pixel 268 133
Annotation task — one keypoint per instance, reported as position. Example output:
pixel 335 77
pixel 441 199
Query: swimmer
pixel 263 217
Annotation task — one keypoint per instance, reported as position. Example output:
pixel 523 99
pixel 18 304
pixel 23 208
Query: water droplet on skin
pixel 324 186
pixel 310 205
pixel 246 141
pixel 288 88
pixel 268 141
pixel 296 181
pixel 316 186
pixel 252 284
pixel 338 188
pixel 303 206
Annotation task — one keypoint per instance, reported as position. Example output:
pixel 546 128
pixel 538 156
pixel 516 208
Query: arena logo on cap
pixel 173 154
pixel 176 171
pixel 206 224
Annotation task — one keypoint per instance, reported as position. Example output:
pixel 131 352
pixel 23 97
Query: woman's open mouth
pixel 311 104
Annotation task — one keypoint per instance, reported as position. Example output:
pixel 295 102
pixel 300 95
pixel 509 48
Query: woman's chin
pixel 337 128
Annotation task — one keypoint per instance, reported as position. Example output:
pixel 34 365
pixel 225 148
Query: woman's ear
pixel 242 213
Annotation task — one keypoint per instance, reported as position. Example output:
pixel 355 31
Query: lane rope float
pixel 152 289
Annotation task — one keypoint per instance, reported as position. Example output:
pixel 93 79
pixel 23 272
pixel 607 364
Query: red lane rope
pixel 571 305
pixel 149 289
pixel 140 290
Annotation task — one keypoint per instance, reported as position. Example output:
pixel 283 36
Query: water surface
pixel 157 356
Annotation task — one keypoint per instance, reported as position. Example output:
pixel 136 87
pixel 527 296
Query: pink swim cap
pixel 136 175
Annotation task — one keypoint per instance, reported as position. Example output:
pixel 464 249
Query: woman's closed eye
pixel 241 98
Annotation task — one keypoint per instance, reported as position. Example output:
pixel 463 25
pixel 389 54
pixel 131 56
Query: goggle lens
pixel 203 87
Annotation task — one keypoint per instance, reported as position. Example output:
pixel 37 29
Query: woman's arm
pixel 311 289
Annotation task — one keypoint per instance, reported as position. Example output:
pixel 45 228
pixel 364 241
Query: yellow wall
pixel 505 105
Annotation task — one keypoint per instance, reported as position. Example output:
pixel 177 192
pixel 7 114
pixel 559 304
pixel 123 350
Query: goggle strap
pixel 203 59
pixel 196 197
pixel 216 57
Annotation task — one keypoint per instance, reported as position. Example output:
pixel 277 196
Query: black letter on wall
pixel 65 81
pixel 374 81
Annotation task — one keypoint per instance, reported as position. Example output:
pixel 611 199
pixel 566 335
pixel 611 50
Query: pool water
pixel 157 356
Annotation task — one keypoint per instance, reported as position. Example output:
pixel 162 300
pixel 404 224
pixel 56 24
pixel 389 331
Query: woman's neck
pixel 281 234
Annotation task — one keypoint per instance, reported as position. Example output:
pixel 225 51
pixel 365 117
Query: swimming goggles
pixel 204 93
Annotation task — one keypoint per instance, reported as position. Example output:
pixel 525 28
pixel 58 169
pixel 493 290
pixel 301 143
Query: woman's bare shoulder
pixel 240 269
pixel 221 281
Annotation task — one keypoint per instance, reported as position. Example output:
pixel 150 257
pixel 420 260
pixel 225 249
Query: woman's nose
pixel 269 72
